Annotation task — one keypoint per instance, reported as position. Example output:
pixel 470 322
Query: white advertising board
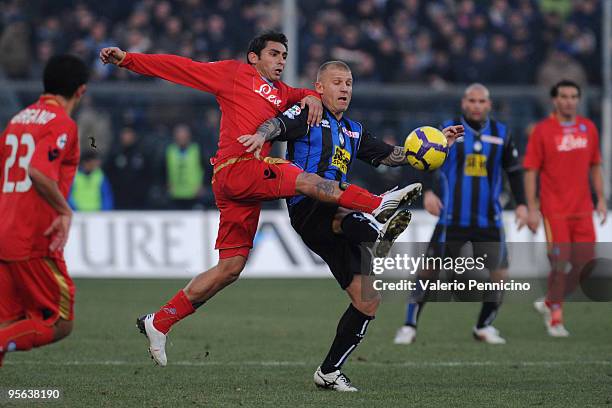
pixel 181 244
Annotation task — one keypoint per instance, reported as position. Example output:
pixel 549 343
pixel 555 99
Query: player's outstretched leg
pixel 351 330
pixel 354 197
pixel 23 335
pixel 361 230
pixel 155 326
pixel 390 231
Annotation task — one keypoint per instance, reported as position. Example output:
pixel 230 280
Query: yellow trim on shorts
pixel 549 237
pixel 64 303
pixel 231 161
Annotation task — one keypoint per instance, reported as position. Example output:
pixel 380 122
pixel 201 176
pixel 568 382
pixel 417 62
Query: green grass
pixel 259 342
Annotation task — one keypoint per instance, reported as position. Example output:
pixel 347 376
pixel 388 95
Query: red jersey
pixel 563 154
pixel 44 137
pixel 246 99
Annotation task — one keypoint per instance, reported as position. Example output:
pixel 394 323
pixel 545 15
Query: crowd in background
pixel 497 41
pixel 434 42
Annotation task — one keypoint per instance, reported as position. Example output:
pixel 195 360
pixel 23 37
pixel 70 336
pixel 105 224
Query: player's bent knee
pixel 63 328
pixel 231 268
pixel 368 306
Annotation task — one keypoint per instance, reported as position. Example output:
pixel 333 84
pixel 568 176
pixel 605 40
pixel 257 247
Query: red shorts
pixel 240 185
pixel 570 238
pixel 573 229
pixel 38 288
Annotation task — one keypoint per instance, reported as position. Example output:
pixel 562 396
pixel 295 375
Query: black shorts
pixel 488 243
pixel 312 220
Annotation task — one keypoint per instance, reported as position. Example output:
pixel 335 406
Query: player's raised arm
pixel 205 76
pixel 287 126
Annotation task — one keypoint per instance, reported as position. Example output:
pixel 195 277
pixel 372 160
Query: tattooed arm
pixel 396 158
pixel 267 131
pixel 289 125
pixel 270 129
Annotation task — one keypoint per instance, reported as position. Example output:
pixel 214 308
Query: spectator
pixel 560 65
pixel 15 50
pixel 91 190
pixel 184 171
pixel 201 29
pixel 128 169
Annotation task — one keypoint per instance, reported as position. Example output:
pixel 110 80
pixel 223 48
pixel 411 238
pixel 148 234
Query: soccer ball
pixel 426 148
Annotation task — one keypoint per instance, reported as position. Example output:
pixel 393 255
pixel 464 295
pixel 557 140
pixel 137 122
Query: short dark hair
pixel 64 74
pixel 259 43
pixel 88 155
pixel 554 91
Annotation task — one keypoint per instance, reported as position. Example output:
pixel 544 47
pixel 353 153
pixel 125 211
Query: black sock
pixel 488 312
pixel 351 330
pixel 359 229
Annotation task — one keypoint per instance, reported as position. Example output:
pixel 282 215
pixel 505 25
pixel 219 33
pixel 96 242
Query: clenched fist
pixel 112 55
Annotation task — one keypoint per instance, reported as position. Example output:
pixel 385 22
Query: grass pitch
pixel 259 342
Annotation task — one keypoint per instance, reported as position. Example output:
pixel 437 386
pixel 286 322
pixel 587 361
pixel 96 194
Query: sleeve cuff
pixel 126 59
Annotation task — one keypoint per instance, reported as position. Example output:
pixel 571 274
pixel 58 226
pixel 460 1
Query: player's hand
pixel 533 220
pixel 315 109
pixel 59 231
pixel 253 143
pixel 602 210
pixel 112 55
pixel 452 133
pixel 521 216
pixel 432 203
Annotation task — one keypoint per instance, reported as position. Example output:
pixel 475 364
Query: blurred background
pixel 411 60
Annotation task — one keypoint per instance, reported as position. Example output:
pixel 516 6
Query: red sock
pixel 176 309
pixel 25 334
pixel 556 311
pixel 360 199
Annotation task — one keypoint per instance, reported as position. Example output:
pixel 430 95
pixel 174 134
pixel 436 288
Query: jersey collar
pixel 476 132
pixel 49 100
pixel 266 80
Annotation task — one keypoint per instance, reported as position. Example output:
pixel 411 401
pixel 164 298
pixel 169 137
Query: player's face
pixel 336 88
pixel 476 105
pixel 566 101
pixel 271 61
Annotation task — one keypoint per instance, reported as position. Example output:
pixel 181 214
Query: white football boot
pixel 541 307
pixel 333 381
pixel 391 200
pixel 405 335
pixel 488 334
pixel 390 231
pixel 157 339
pixel 557 330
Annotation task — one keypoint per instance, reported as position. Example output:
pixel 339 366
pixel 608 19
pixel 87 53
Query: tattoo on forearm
pixel 396 158
pixel 325 189
pixel 270 129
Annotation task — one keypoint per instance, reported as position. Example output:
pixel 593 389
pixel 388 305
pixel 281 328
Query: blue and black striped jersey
pixel 471 178
pixel 330 148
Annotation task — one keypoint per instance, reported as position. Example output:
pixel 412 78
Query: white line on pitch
pixel 304 363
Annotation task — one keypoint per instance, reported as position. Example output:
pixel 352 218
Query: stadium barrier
pixel 172 244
